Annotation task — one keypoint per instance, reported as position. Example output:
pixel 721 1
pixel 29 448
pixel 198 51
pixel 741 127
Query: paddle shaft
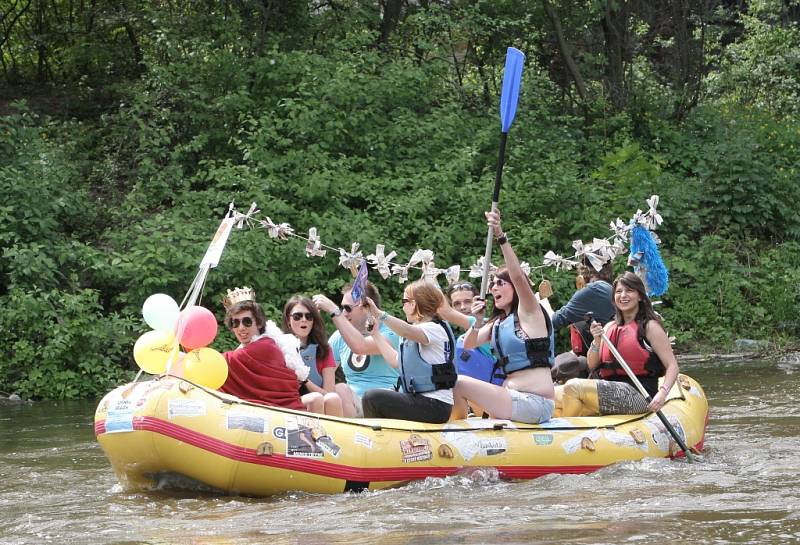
pixel 498 182
pixel 644 393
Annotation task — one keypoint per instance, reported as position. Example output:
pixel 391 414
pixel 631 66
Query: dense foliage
pixel 127 128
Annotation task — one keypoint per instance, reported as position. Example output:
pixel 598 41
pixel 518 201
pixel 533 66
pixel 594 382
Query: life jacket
pixel 309 355
pixel 634 349
pixel 580 337
pixel 515 354
pixel 475 363
pixel 418 376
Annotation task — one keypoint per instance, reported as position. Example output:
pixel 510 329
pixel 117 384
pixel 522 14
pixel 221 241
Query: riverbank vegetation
pixel 127 128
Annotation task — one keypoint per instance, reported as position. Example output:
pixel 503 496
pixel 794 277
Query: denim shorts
pixel 530 408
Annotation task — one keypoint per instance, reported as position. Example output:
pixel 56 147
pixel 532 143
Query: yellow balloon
pixel 205 366
pixel 152 350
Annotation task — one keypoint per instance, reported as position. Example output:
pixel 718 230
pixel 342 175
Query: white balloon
pixel 160 311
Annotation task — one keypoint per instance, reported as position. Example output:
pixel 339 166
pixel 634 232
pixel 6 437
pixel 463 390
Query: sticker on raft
pixel 186 407
pixel 120 416
pixel 661 437
pixel 574 444
pixel 415 449
pixel 543 439
pixel 247 422
pixel 300 442
pixel 625 440
pixel 361 439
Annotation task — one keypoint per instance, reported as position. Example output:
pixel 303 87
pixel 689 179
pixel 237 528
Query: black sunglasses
pixel 247 321
pixel 498 282
pixel 406 300
pixel 347 308
pixel 297 316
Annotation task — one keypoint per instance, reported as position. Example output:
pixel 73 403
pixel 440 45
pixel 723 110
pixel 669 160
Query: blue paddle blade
pixel 512 76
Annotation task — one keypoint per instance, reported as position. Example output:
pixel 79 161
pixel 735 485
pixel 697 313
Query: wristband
pixel 383 316
pixel 665 389
pixel 594 348
pixel 502 239
pixel 335 313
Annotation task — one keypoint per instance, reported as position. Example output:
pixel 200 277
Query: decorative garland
pixel 645 257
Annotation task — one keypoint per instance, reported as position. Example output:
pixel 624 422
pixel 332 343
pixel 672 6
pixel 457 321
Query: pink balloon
pixel 199 327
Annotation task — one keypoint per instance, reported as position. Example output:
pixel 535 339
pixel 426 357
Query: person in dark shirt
pixel 595 297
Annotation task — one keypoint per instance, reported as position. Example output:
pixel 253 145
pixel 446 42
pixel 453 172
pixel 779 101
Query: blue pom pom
pixel 645 249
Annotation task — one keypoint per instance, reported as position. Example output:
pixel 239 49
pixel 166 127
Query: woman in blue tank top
pixel 522 339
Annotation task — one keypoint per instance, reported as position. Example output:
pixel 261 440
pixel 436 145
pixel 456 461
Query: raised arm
pixel 386 349
pixel 401 327
pixel 531 316
pixel 448 313
pixel 352 336
pixel 478 336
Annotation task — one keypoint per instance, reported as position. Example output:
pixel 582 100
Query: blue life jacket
pixel 309 355
pixel 514 354
pixel 475 363
pixel 419 376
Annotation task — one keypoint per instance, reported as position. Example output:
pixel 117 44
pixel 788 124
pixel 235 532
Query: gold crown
pixel 237 295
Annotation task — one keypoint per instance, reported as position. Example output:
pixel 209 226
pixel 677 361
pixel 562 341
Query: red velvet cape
pixel 258 373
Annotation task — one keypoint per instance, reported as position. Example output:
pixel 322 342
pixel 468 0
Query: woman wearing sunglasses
pixel 265 368
pixel 522 341
pixel 302 319
pixel 425 359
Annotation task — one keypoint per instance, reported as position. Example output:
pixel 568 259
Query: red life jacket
pixel 258 373
pixel 576 341
pixel 637 354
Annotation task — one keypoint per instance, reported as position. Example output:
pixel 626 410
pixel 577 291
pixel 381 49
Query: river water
pixel 56 486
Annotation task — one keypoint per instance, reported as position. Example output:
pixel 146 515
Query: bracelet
pixel 383 316
pixel 666 391
pixel 502 239
pixel 335 313
pixel 594 348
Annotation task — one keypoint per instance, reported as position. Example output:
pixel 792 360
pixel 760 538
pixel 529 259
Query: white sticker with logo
pixel 186 407
pixel 363 440
pixel 120 416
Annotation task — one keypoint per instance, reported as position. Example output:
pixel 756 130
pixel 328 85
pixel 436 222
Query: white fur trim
pixel 290 346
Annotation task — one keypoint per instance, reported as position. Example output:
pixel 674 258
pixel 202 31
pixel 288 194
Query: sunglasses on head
pixel 462 286
pixel 297 316
pixel 247 321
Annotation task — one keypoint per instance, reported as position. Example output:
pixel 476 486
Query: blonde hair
pixel 427 298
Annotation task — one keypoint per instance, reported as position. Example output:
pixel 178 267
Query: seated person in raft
pixel 476 362
pixel 355 350
pixel 266 367
pixel 640 339
pixel 302 319
pixel 425 358
pixel 593 295
pixel 522 339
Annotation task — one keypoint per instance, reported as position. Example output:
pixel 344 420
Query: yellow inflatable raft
pixel 151 430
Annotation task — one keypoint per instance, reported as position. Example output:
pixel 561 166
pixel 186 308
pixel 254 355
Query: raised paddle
pixel 512 76
pixel 590 318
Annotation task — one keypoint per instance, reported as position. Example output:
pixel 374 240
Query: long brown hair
pixel 502 273
pixel 645 312
pixel 317 335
